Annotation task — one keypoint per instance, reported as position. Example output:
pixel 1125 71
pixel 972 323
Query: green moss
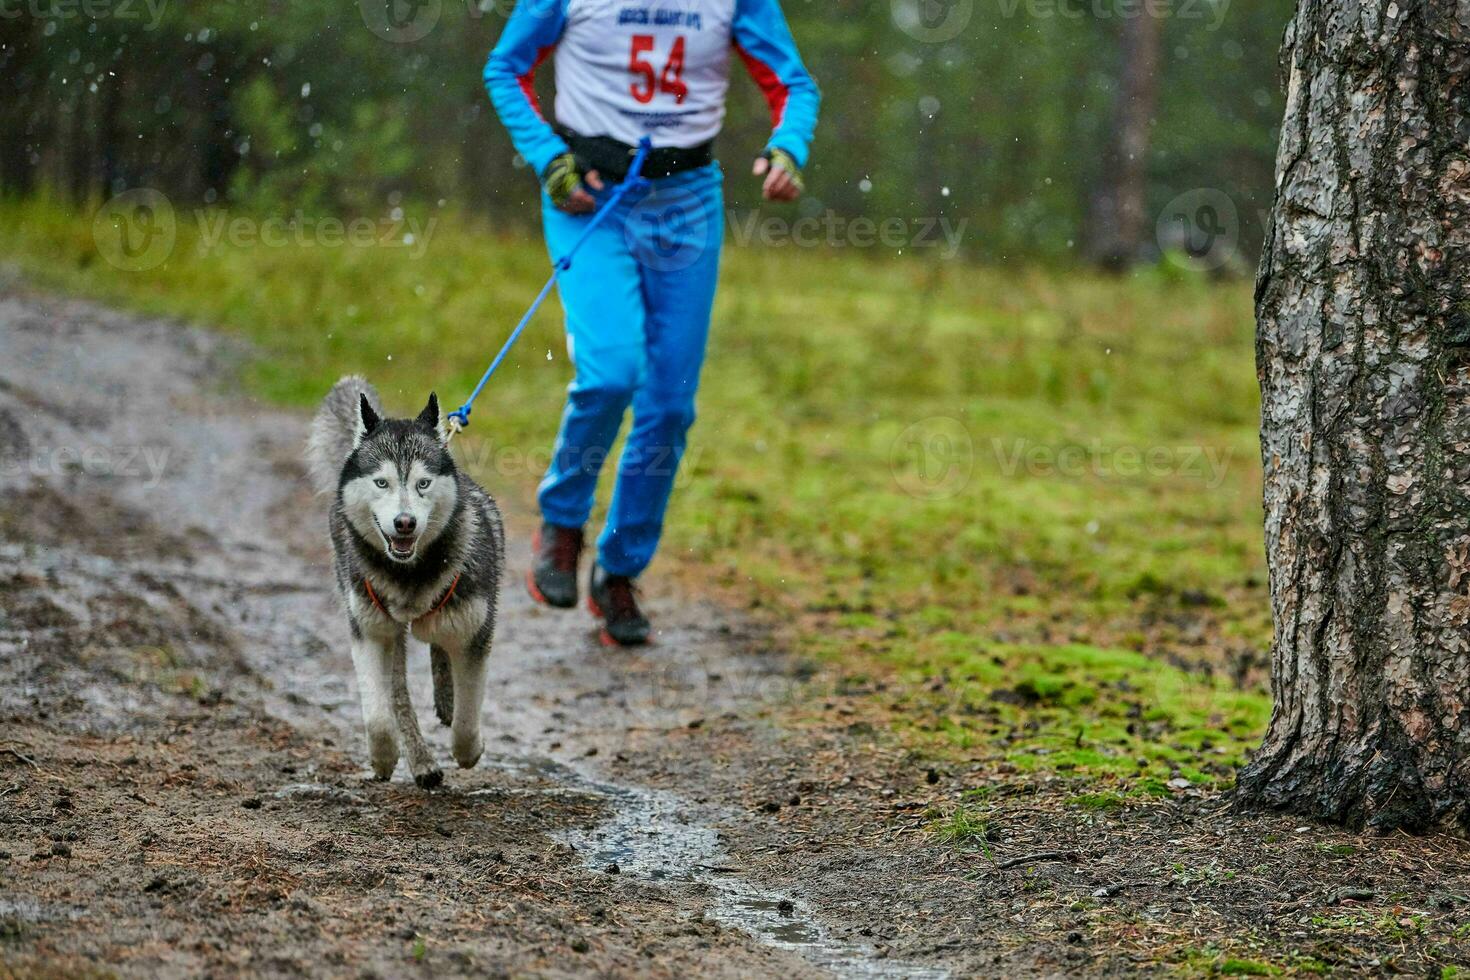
pixel 1246 968
pixel 1107 801
pixel 1082 709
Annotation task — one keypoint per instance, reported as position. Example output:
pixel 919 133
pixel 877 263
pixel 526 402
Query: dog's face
pixel 398 486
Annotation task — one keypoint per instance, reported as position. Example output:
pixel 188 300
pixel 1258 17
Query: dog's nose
pixel 405 523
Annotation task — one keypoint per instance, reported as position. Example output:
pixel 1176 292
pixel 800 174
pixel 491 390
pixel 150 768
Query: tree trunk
pixel 1363 354
pixel 17 84
pixel 109 139
pixel 1120 207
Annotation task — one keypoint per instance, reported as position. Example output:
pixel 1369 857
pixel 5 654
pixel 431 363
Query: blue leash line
pixel 460 417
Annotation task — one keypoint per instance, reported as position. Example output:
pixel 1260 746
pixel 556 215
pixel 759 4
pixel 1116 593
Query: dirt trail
pixel 181 767
pixel 182 784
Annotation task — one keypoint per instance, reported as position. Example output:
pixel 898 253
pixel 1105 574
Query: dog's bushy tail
pixel 334 430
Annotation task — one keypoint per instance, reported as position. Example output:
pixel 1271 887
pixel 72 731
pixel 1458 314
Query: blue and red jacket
pixel 658 68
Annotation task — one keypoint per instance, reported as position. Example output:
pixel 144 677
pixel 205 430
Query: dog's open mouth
pixel 400 546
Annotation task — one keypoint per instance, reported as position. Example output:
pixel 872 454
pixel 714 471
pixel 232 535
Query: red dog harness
pixel 438 606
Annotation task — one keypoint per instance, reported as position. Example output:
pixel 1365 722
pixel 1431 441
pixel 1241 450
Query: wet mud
pixel 182 775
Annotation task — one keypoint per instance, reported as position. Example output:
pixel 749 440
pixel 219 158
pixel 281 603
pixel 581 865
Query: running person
pixel 639 295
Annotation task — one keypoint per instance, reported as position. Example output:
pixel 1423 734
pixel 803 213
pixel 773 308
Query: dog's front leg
pixel 372 655
pixel 420 758
pixel 467 666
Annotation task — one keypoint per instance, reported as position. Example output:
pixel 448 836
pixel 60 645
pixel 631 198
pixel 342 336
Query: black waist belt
pixel 611 158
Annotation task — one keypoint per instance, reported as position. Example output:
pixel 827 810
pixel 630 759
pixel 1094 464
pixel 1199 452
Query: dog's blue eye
pixel 424 485
pixel 381 484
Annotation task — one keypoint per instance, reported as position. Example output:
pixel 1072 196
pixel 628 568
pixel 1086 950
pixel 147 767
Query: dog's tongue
pixel 402 545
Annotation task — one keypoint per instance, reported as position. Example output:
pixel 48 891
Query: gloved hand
pixel 783 176
pixel 563 180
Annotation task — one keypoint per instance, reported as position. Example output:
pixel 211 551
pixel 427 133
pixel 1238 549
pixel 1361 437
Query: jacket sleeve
pixel 764 42
pixel 530 35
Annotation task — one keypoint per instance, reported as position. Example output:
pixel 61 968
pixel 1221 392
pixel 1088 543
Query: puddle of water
pixel 321 792
pixel 656 836
pixel 30 911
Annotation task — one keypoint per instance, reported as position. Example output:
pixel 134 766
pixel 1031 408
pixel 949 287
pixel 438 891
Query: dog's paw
pixel 467 751
pixel 382 753
pixel 430 779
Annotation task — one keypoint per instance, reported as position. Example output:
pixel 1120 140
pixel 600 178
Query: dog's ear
pixel 368 419
pixel 430 416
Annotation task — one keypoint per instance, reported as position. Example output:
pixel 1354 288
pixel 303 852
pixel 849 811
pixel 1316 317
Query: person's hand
pixel 783 177
pixel 564 181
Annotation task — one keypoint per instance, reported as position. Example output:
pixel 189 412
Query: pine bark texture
pixel 1363 355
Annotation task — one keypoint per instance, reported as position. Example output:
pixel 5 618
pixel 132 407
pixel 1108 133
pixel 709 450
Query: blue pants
pixel 638 299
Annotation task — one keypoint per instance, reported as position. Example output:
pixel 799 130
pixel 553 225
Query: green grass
pixel 965 825
pixel 1210 961
pixel 1071 708
pixel 1105 801
pixel 1245 968
pixel 1038 490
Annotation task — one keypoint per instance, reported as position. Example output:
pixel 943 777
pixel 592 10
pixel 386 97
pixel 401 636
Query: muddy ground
pixel 183 791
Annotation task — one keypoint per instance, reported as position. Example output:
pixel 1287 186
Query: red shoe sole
pixel 531 588
pixel 603 635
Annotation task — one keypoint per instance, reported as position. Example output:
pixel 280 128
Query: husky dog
pixel 419 548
